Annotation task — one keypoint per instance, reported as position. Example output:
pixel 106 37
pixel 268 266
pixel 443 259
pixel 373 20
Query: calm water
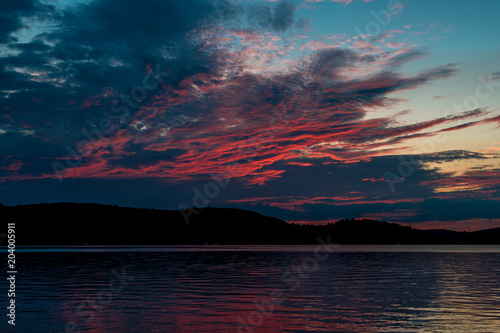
pixel 268 289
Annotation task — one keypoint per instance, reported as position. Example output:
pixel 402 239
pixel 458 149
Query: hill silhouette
pixel 97 224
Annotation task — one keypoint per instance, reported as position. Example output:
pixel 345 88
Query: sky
pixel 310 111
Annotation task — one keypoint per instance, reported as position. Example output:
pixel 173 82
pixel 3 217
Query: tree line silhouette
pixel 98 224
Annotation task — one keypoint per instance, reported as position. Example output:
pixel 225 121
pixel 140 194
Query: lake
pixel 395 288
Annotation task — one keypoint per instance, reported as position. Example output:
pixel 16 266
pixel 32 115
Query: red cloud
pixel 247 121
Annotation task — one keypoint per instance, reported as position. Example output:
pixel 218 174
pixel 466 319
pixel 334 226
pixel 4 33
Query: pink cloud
pixel 395 45
pixel 460 225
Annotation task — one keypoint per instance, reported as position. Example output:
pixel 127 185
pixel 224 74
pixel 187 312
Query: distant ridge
pixel 97 224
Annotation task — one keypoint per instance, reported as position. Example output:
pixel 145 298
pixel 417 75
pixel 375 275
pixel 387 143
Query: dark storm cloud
pixel 279 18
pixel 451 155
pixel 109 43
pixel 102 45
pixel 284 13
pixel 406 57
pixel 11 13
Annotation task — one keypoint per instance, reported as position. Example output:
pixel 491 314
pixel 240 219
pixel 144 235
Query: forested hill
pixel 96 224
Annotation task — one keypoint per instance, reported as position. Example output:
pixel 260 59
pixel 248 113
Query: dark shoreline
pixel 68 224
